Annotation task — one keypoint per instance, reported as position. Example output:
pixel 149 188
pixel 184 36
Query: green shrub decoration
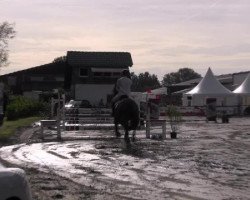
pixel 20 107
pixel 174 117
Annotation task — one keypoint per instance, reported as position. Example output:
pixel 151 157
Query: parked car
pixel 78 104
pixel 14 184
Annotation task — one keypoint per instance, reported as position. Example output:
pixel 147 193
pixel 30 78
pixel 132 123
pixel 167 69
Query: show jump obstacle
pixel 76 120
pixel 57 115
pixel 153 122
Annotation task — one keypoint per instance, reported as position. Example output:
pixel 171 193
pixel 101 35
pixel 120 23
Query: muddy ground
pixel 206 161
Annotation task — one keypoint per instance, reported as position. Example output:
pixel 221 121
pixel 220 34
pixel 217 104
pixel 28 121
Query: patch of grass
pixel 10 127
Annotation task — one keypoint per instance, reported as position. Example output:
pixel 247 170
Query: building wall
pixel 244 100
pixel 42 78
pixel 93 92
pixel 92 78
pixel 103 70
pixel 94 86
pixel 42 82
pixel 200 100
pixel 32 94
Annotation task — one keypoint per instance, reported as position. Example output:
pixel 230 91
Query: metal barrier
pixel 157 122
pixel 88 118
pixel 49 123
pixel 154 122
pixel 57 115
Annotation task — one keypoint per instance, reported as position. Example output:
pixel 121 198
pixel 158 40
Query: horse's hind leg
pixel 117 133
pixel 126 136
pixel 133 135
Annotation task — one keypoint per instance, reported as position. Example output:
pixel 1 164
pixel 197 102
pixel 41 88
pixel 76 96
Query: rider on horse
pixel 122 87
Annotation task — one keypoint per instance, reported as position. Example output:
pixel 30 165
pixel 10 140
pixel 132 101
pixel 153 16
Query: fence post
pixel 148 122
pixel 58 116
pixel 63 111
pixel 58 130
pixel 164 130
pixel 42 137
pixel 52 108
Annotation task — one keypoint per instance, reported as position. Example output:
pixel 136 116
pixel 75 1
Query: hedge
pixel 20 107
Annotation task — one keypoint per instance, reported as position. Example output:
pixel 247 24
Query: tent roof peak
pixel 209 85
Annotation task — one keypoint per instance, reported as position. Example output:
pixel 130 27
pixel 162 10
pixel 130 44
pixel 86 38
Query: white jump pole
pixel 63 111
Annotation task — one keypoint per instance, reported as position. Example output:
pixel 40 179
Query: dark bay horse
pixel 126 113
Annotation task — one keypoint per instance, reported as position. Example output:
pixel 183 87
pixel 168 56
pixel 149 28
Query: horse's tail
pixel 134 123
pixel 126 113
pixel 135 118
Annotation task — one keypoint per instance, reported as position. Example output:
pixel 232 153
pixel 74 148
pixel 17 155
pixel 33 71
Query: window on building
pixel 37 78
pixel 26 78
pixel 49 78
pixel 98 74
pixel 83 72
pixel 107 74
pixel 116 74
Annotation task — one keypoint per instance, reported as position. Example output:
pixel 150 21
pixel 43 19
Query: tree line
pixel 146 81
pixel 7 32
pixel 141 82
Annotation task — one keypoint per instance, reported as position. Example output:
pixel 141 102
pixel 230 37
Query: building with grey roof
pixel 85 75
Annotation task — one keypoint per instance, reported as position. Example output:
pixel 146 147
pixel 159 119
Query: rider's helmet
pixel 126 73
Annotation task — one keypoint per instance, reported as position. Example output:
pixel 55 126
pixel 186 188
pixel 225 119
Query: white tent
pixel 243 92
pixel 209 88
pixel 209 85
pixel 244 88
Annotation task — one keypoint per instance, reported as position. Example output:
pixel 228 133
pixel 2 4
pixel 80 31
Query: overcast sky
pixel 161 35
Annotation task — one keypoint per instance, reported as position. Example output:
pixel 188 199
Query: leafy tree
pixel 7 32
pixel 144 82
pixel 183 74
pixel 60 59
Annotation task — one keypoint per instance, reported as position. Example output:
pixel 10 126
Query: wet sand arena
pixel 207 161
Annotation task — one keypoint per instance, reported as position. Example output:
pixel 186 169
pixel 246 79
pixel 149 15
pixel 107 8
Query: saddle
pixel 118 102
pixel 123 97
